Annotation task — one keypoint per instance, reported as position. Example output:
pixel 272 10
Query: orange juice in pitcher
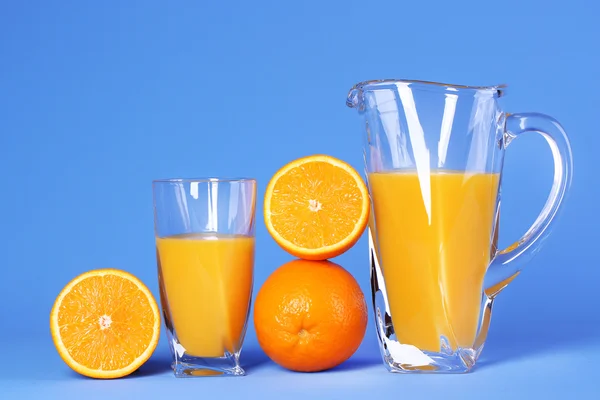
pixel 434 249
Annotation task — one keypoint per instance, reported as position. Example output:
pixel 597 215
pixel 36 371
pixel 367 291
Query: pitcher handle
pixel 507 263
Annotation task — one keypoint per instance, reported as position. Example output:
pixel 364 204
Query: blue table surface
pixel 522 366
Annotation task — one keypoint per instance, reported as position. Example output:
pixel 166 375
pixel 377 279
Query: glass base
pixel 188 366
pixel 185 365
pixel 461 361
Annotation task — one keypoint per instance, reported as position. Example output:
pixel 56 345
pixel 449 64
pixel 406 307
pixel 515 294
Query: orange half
pixel 316 207
pixel 105 324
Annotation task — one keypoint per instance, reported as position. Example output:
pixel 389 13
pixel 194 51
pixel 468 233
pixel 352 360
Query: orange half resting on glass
pixel 316 207
pixel 105 324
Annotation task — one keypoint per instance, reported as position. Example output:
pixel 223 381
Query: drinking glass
pixel 434 155
pixel 204 232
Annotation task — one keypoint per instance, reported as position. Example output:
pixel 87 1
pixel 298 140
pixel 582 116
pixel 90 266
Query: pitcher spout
pixel 355 99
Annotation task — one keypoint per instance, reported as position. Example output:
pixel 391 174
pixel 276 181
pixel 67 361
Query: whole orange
pixel 310 315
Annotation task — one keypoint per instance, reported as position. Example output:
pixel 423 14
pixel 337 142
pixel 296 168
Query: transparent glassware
pixel 204 231
pixel 434 155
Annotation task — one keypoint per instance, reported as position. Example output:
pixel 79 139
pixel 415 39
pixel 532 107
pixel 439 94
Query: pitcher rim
pixel 500 89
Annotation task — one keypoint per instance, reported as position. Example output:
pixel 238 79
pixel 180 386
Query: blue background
pixel 99 98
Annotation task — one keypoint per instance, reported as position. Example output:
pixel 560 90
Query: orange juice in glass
pixel 205 256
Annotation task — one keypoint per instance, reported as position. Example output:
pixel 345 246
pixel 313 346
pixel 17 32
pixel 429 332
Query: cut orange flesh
pixel 105 324
pixel 316 207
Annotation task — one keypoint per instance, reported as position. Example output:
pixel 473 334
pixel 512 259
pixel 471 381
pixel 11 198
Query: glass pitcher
pixel 434 154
